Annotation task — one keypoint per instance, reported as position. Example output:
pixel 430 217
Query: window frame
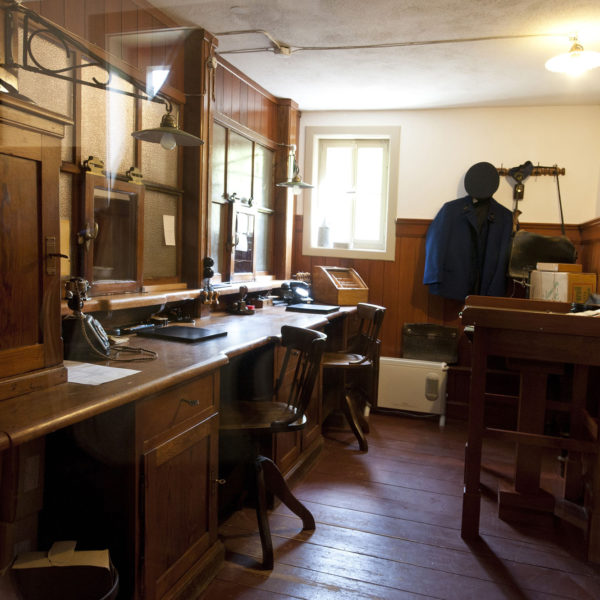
pixel 313 136
pixel 233 205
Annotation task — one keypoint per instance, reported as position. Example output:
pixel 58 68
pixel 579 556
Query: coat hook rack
pixel 538 170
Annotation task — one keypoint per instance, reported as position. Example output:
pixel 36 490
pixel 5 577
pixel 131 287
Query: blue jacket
pixel 460 260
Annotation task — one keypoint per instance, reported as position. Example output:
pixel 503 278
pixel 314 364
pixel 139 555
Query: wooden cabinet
pixel 140 480
pixel 179 466
pixel 31 352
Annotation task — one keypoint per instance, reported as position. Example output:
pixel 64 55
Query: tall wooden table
pixel 537 338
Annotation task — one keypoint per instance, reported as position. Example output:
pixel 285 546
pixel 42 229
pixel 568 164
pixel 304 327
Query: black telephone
pixel 296 292
pixel 83 336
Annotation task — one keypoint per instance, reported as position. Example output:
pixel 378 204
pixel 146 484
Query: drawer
pixel 196 399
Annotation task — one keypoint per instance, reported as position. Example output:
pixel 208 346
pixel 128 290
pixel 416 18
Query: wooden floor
pixel 388 527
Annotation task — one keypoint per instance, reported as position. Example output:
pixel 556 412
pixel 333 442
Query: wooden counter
pixel 26 417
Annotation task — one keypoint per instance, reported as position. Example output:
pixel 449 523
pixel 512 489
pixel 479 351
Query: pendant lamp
pixel 574 62
pixel 295 182
pixel 168 135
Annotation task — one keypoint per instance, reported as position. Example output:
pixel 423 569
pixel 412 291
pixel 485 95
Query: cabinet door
pixel 180 519
pixel 30 341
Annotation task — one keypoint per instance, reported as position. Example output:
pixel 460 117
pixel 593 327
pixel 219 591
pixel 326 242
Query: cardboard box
pixel 64 573
pixel 562 287
pixel 560 267
pixel 22 480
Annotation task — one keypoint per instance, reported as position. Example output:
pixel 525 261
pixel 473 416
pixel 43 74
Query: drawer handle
pixel 220 481
pixel 195 402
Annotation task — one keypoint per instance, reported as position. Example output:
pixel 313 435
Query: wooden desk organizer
pixel 338 285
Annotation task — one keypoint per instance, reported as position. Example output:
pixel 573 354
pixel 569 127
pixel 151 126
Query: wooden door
pixel 180 518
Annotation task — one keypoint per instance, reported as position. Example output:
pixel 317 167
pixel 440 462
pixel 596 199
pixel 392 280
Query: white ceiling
pixel 492 72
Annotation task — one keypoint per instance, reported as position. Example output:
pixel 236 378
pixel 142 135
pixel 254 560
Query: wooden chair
pixel 353 373
pixel 257 418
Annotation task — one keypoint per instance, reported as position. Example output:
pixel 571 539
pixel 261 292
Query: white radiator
pixel 413 385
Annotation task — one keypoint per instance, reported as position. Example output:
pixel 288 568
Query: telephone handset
pixel 83 335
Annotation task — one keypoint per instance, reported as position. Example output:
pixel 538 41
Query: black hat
pixel 482 180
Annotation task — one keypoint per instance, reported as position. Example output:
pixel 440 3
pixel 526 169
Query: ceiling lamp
pixel 168 135
pixel 574 62
pixel 295 182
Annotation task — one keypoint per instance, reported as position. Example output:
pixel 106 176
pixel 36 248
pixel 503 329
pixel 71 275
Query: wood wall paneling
pixel 102 22
pixel 53 10
pixel 95 22
pixel 130 27
pixel 114 27
pixel 246 103
pixel 244 88
pixel 589 246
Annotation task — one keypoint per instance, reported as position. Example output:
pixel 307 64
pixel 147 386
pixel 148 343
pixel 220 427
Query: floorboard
pixel 388 527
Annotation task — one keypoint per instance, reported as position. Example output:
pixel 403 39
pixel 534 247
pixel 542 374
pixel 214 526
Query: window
pixel 242 206
pixel 351 210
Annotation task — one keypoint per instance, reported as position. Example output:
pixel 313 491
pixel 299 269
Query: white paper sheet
pixel 169 229
pixel 89 374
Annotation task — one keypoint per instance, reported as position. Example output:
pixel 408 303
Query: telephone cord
pixel 114 353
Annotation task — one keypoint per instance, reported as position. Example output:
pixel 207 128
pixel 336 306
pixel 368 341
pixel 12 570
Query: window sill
pixel 350 253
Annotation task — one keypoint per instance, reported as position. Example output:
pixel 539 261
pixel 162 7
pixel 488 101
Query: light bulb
pixel 167 141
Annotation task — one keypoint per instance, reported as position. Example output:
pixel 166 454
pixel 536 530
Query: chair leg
pixel 275 483
pixel 360 416
pixel 262 518
pixel 350 414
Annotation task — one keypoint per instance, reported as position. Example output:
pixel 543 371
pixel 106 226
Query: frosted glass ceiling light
pixel 168 135
pixel 574 62
pixel 295 182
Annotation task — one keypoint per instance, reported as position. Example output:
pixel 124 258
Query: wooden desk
pixel 29 416
pixel 537 338
pixel 152 446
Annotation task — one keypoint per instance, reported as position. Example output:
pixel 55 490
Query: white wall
pixel 438 146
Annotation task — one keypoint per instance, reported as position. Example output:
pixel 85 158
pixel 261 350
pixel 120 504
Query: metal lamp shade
pixel 168 126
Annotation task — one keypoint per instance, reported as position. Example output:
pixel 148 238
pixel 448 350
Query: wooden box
pixel 338 285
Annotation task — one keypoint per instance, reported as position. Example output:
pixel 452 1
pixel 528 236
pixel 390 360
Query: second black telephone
pixel 295 292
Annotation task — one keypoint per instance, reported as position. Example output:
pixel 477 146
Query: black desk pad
pixel 182 333
pixel 320 309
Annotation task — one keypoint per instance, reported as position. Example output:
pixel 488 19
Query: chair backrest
pixel 371 319
pixel 308 346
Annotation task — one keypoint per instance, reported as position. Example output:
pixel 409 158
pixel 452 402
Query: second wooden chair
pixel 352 374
